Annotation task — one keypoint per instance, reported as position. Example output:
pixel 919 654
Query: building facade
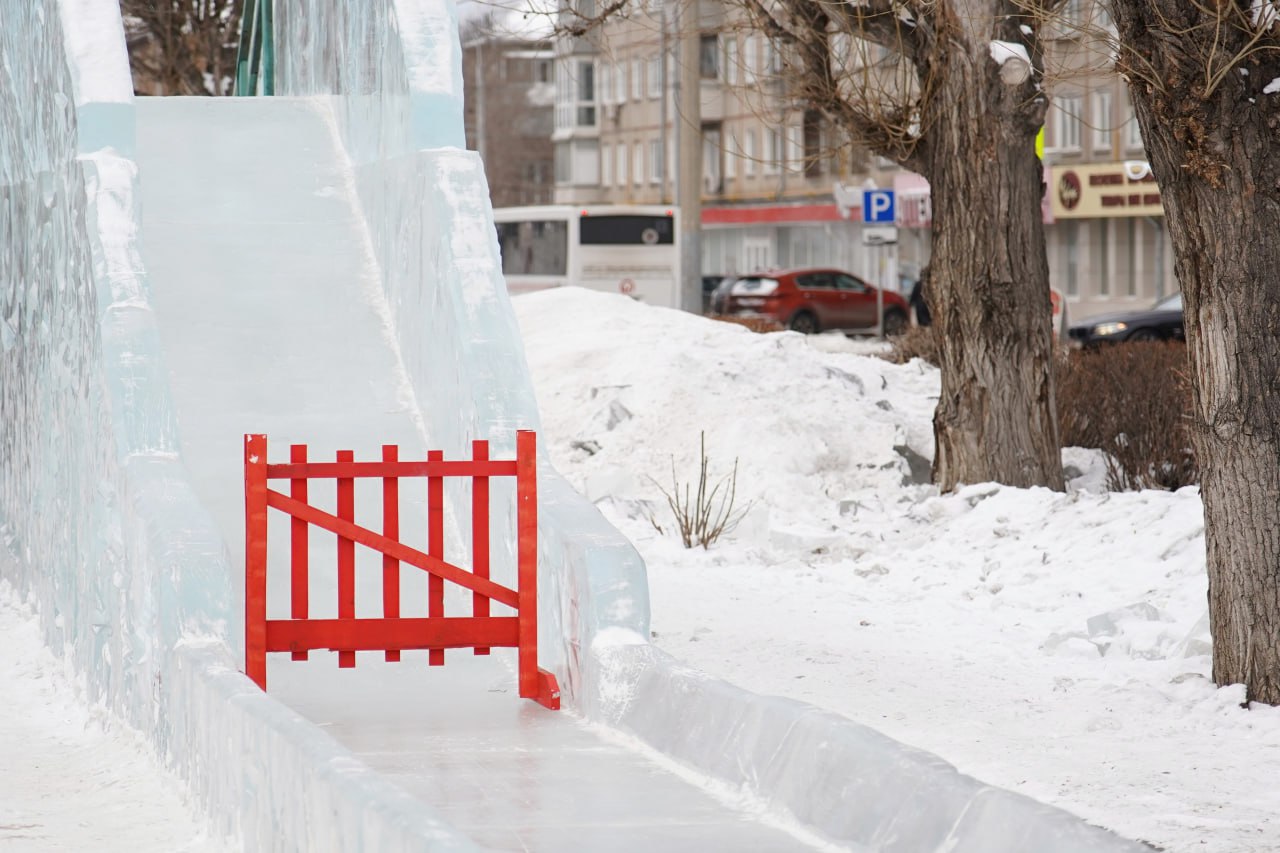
pixel 781 189
pixel 509 98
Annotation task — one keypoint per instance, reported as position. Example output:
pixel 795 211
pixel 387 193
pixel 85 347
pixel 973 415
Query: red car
pixel 813 300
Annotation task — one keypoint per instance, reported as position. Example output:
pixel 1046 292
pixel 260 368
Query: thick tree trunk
pixel 1215 152
pixel 989 289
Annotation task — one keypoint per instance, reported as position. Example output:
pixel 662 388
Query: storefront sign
pixel 1103 190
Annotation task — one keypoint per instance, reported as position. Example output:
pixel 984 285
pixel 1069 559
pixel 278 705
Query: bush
pixel 916 342
pixel 702 517
pixel 755 324
pixel 1132 401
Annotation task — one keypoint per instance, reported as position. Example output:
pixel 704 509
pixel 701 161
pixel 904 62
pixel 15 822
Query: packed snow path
pixel 272 321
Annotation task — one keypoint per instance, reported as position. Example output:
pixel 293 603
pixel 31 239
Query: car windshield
pixel 1170 303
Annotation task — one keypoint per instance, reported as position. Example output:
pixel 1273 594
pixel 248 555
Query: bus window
pixel 534 248
pixel 626 230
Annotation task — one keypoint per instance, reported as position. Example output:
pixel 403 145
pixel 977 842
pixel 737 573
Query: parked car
pixel 1160 322
pixel 812 300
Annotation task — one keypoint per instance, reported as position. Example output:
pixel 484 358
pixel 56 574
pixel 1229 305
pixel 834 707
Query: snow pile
pixel 1055 644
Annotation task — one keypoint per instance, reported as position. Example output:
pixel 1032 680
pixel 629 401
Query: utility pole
pixel 689 187
pixel 665 53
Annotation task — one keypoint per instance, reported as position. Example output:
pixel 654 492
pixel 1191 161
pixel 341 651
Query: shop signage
pixel 1097 190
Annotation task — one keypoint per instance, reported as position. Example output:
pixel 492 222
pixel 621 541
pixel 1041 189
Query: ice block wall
pixel 393 69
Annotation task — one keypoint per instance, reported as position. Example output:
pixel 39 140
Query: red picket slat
pixel 255 559
pixel 378 634
pixel 298 553
pixel 480 532
pixel 435 548
pixel 346 555
pixel 390 529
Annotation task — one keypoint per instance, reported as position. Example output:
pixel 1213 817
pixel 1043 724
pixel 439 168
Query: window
pixel 542 71
pixel 812 132
pixel 751 155
pixel 656 163
pixel 731 59
pixel 1066 124
pixel 606 165
pixel 772 59
pixel 1102 121
pixel 534 248
pixel 1102 256
pixel 730 156
pixel 712 183
pixel 606 83
pixel 655 76
pixel 620 164
pixel 1132 133
pixel 620 82
pixel 1073 14
pixel 637 79
pixel 586 85
pixel 709 57
pixel 772 151
pixel 750 59
pixel 637 164
pixel 1134 252
pixel 1071 256
pixel 626 230
pixel 795 148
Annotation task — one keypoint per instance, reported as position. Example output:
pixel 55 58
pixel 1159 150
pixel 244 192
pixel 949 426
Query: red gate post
pixel 255 559
pixel 435 547
pixel 536 684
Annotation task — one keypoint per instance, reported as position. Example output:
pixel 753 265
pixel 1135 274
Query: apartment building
pixel 509 96
pixel 781 189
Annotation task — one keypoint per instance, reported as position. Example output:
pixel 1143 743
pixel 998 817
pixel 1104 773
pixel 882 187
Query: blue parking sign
pixel 878 207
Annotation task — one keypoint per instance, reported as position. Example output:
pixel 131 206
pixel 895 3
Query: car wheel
pixel 1143 336
pixel 804 323
pixel 895 323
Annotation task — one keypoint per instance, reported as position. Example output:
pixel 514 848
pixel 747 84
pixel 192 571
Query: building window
pixel 1103 256
pixel 655 76
pixel 637 164
pixel 772 151
pixel 1066 124
pixel 1132 132
pixel 795 149
pixel 606 83
pixel 606 165
pixel 586 88
pixel 620 164
pixel 731 59
pixel 812 144
pixel 709 57
pixel 752 154
pixel 1102 121
pixel 730 156
pixel 712 183
pixel 1133 236
pixel 542 71
pixel 658 167
pixel 637 79
pixel 751 59
pixel 1071 252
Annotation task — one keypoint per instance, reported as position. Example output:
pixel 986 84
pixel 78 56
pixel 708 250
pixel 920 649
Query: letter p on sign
pixel 878 207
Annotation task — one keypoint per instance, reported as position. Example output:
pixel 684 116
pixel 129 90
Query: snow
pixel 1265 14
pixel 1272 87
pixel 1055 644
pixel 1003 51
pixel 74 777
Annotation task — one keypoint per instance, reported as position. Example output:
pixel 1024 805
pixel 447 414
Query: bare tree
pixel 182 47
pixel 952 89
pixel 1204 76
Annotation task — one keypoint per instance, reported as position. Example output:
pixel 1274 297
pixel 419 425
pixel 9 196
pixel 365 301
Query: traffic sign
pixel 878 206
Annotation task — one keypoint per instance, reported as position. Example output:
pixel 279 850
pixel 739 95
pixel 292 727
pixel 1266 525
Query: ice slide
pixel 321 267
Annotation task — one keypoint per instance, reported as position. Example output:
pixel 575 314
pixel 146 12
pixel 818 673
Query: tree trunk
pixel 1215 152
pixel 989 290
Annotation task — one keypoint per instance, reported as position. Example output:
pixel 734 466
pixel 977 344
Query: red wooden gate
pixel 392 633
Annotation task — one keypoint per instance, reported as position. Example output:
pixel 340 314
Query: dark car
pixel 814 300
pixel 1160 322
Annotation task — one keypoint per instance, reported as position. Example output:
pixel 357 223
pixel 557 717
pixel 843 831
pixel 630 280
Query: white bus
pixel 628 249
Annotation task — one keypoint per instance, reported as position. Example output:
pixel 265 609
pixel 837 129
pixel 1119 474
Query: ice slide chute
pixel 392 632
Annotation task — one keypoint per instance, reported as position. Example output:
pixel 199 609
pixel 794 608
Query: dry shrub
pixel 916 342
pixel 755 324
pixel 1132 401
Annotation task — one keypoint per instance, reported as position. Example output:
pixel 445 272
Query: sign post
pixel 878 209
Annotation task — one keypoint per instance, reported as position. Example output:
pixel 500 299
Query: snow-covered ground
pixel 71 776
pixel 1055 644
